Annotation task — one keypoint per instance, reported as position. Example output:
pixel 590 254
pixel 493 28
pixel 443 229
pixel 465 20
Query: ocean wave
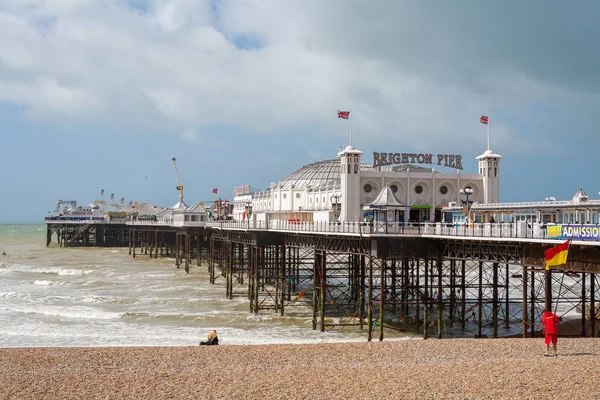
pixel 77 313
pixel 47 283
pixel 108 300
pixel 14 295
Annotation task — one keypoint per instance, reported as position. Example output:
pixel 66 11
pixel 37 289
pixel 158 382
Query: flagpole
pixel 350 127
pixel 488 132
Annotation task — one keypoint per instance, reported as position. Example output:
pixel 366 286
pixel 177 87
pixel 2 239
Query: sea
pixel 103 297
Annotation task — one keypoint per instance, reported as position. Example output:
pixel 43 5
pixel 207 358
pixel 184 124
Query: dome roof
pixel 317 175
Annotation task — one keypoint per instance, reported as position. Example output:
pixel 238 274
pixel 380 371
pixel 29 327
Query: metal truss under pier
pixel 383 285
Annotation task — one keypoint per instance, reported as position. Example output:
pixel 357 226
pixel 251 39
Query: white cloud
pixel 412 77
pixel 190 135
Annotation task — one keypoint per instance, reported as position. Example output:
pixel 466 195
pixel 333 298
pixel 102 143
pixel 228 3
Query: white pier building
pixel 346 188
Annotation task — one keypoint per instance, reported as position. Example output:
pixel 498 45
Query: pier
pixel 431 279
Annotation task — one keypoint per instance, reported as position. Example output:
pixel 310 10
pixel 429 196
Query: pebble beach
pixel 408 369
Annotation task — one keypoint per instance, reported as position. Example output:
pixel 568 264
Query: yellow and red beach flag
pixel 557 255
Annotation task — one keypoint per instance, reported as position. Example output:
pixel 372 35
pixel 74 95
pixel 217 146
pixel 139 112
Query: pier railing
pixel 514 230
pixel 495 230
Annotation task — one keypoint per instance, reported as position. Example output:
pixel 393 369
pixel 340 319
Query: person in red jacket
pixel 550 320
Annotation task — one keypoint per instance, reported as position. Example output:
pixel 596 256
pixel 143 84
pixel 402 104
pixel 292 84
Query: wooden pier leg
pixel 532 304
pixel 583 319
pixel 187 253
pixel 177 262
pixel 48 235
pixel 416 272
pixel 133 236
pixel 251 276
pixel 480 300
pixel 156 244
pixel 257 265
pixel 230 269
pixel 363 277
pixel 440 316
pixel 382 293
pixel 548 290
pixel 323 288
pixel 282 279
pixel 200 240
pixel 316 286
pixel 251 273
pixel 524 310
pixel 370 300
pixel 452 304
pixel 393 287
pixel 495 305
pixel 507 303
pixel 426 300
pixel 593 315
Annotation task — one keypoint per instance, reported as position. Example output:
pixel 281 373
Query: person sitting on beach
pixel 3 253
pixel 550 320
pixel 212 339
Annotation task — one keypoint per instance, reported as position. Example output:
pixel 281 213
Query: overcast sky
pixel 101 94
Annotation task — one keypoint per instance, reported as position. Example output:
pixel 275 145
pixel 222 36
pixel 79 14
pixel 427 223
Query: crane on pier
pixel 179 186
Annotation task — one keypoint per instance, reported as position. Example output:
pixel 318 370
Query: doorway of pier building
pixel 420 213
pixel 438 214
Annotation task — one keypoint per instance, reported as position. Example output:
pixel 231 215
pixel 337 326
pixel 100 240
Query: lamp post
pixel 248 212
pixel 336 206
pixel 467 192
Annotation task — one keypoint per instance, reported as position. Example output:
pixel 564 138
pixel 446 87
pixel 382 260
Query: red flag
pixel 484 119
pixel 215 190
pixel 557 255
pixel 343 114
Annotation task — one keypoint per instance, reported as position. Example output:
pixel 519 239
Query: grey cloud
pixel 413 72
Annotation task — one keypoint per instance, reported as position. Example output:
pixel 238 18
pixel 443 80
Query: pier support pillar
pixel 524 307
pixel 548 290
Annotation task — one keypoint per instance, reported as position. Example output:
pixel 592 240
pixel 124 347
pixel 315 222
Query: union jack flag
pixel 343 114
pixel 483 119
pixel 215 190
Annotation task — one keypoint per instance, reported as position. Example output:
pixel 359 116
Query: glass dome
pixel 317 175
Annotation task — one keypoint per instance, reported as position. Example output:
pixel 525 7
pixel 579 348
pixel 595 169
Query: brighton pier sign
pixel 446 160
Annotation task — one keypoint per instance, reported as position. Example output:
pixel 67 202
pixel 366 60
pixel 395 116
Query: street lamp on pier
pixel 248 212
pixel 467 192
pixel 336 206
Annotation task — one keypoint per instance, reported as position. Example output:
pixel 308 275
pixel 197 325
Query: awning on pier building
pixel 385 200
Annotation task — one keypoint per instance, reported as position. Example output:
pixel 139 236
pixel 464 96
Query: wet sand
pixel 424 369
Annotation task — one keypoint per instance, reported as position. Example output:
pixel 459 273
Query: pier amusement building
pixel 395 187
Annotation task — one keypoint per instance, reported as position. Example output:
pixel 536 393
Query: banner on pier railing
pixel 577 232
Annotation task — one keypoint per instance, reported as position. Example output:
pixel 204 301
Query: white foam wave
pixel 80 313
pixel 47 283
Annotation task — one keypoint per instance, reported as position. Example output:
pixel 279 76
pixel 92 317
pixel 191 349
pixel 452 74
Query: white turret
pixel 489 169
pixel 350 184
